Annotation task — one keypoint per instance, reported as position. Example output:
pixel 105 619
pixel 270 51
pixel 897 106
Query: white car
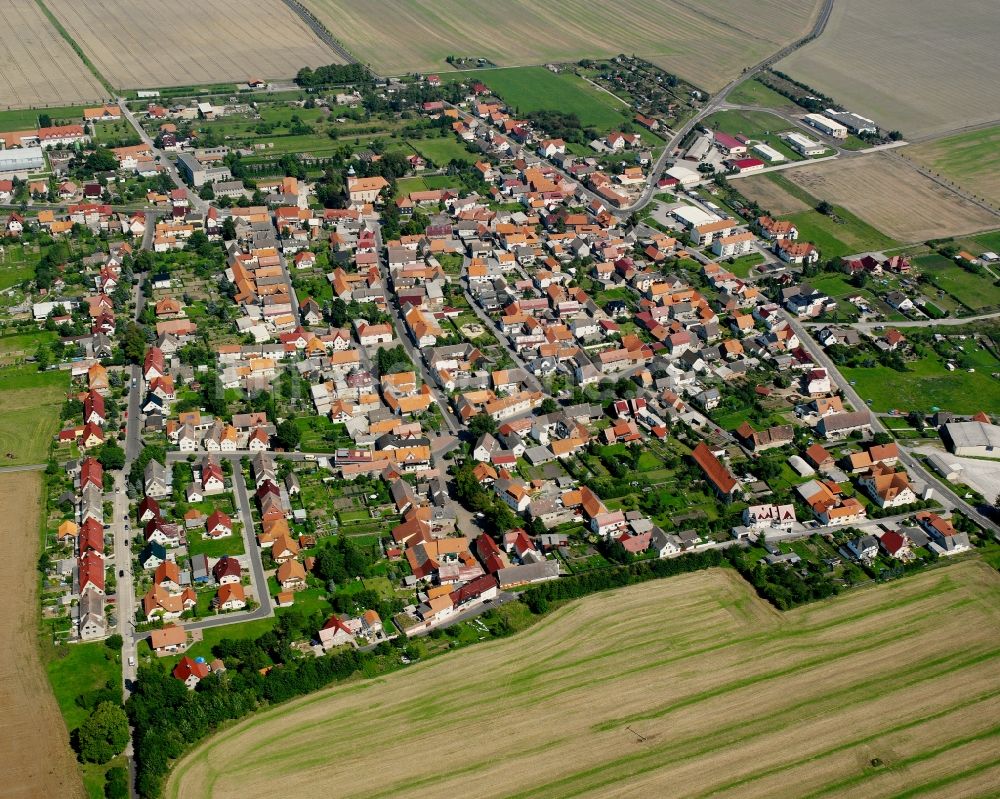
pixel 131 662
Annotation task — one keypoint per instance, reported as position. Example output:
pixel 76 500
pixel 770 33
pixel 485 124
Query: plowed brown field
pixel 707 42
pixel 37 66
pixel 146 43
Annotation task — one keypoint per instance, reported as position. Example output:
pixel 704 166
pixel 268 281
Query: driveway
pixel 983 476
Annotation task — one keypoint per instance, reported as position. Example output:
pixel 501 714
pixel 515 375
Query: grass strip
pixel 76 48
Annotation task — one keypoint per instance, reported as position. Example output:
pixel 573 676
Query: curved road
pixel 718 102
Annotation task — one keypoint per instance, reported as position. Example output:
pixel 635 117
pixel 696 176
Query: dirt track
pixel 683 687
pixel 34 746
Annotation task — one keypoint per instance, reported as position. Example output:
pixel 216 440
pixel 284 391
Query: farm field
pixel 707 44
pixel 528 89
pixel 29 413
pixel 864 60
pixel 37 66
pixel 841 236
pixel 972 160
pixel 893 197
pixel 691 680
pixel 194 43
pixel 34 743
pixel 775 193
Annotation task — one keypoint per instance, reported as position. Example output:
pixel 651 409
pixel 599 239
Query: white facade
pixel 737 244
pixel 768 153
pixel 826 125
pixel 804 145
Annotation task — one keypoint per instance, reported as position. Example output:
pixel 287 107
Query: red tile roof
pixel 717 474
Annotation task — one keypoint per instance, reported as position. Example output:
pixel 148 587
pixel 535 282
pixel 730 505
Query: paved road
pixel 37 206
pixel 250 542
pixel 944 493
pixel 163 159
pixel 291 288
pixel 261 593
pixel 493 326
pixel 29 467
pixel 396 312
pixel 713 105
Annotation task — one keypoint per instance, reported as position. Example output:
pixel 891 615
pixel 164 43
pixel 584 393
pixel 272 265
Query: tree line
pixel 332 75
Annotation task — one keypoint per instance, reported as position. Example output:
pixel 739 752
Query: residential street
pixel 250 541
pixel 943 493
pixel 200 205
pixel 396 312
pixel 494 329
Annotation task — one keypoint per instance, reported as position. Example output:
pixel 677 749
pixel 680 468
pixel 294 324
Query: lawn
pixel 741 266
pixel 835 238
pixel 988 241
pixel 94 775
pixel 212 636
pixel 839 287
pixel 442 151
pixel 22 345
pixel 27 118
pixel 319 434
pixel 30 403
pixel 527 89
pixel 199 544
pixel 648 462
pixel 405 186
pixel 753 92
pixel 692 680
pixel 929 384
pixel 16 266
pixel 974 291
pixel 115 134
pixel 77 669
pixel 308 601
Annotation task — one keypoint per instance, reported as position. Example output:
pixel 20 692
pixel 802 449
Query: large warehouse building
pixel 972 438
pixel 21 160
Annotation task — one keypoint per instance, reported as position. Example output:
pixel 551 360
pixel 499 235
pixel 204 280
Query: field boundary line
pixel 322 32
pixel 76 48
